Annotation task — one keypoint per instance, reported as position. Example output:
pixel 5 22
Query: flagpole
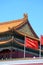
pixel 24 47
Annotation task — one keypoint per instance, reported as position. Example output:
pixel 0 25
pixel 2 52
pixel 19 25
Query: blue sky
pixel 14 9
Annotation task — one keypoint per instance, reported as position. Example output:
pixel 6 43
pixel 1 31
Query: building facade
pixel 12 39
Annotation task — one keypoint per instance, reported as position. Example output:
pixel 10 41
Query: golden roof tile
pixel 10 24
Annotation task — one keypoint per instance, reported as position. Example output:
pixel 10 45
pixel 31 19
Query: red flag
pixel 41 39
pixel 31 43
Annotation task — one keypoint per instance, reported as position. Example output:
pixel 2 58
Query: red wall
pixel 14 54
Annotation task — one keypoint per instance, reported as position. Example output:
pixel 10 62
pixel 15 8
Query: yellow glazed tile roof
pixel 10 24
pixel 5 27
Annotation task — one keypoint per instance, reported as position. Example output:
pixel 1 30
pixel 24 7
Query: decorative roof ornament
pixel 26 16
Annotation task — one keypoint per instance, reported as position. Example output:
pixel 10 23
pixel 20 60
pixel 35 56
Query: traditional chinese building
pixel 12 39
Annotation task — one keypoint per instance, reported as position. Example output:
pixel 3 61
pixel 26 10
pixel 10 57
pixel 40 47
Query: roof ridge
pixel 8 22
